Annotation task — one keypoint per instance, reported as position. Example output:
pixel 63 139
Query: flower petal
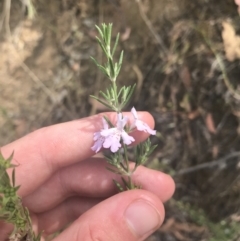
pixel 105 124
pixel 142 126
pixel 134 113
pixel 126 138
pixel 96 135
pixel 108 132
pixel 98 144
pixel 121 122
pixel 112 142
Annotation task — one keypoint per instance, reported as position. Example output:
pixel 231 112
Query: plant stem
pixel 116 96
pixel 126 157
pixel 128 168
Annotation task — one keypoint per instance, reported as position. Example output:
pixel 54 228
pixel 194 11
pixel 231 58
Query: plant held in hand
pixel 117 136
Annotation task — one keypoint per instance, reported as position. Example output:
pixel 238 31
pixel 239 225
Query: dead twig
pixel 220 162
pixel 139 81
pixel 31 12
pixel 150 27
pixel 5 18
pixel 220 63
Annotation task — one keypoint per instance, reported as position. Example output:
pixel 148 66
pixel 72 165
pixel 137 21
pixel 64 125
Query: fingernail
pixel 142 217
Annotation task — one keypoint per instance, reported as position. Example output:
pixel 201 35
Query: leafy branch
pixel 11 208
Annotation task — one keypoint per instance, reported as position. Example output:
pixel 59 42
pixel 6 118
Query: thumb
pixel 131 215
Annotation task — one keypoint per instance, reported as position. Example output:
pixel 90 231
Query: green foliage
pixel 113 98
pixel 142 152
pixel 11 208
pixel 224 230
pixel 111 69
pixel 116 99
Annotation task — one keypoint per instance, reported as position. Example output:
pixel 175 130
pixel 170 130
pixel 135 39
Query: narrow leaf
pixel 13 177
pixel 115 45
pixel 9 159
pixel 108 121
pixel 129 95
pixel 114 171
pixel 127 185
pixel 104 95
pixel 120 188
pixel 152 149
pixel 109 34
pixel 99 31
pixel 120 91
pixel 113 74
pixel 102 102
pixel 102 46
pixel 94 60
pixel 120 62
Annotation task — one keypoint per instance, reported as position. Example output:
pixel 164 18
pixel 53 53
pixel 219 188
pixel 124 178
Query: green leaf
pixel 125 93
pixel 120 91
pixel 102 102
pixel 103 47
pixel 99 31
pixel 114 171
pixel 102 68
pixel 152 149
pixel 115 68
pixel 109 34
pixel 112 93
pixel 108 92
pixel 9 159
pixel 112 73
pixel 128 96
pixel 104 95
pixel 127 185
pixel 120 63
pixel 120 188
pixel 13 177
pixel 124 168
pixel 108 121
pixel 4 178
pixel 38 237
pixel 104 71
pixel 94 60
pixel 104 29
pixel 115 45
pixel 17 187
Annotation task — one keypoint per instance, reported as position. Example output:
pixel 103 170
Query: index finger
pixel 46 150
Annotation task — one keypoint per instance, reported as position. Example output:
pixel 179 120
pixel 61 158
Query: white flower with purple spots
pixel 140 125
pixel 111 138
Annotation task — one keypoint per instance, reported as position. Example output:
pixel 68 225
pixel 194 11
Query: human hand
pixel 61 183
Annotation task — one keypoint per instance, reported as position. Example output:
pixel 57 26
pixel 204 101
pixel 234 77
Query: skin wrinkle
pixel 68 213
pixel 93 233
pixel 71 215
pixel 72 177
pixel 75 208
pixel 44 156
pixel 62 184
pixel 52 145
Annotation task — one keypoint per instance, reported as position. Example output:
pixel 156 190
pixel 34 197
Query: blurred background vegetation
pixel 183 55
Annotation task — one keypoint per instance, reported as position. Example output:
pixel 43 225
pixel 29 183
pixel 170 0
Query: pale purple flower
pixel 140 125
pixel 98 138
pixel 113 135
pixel 110 138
